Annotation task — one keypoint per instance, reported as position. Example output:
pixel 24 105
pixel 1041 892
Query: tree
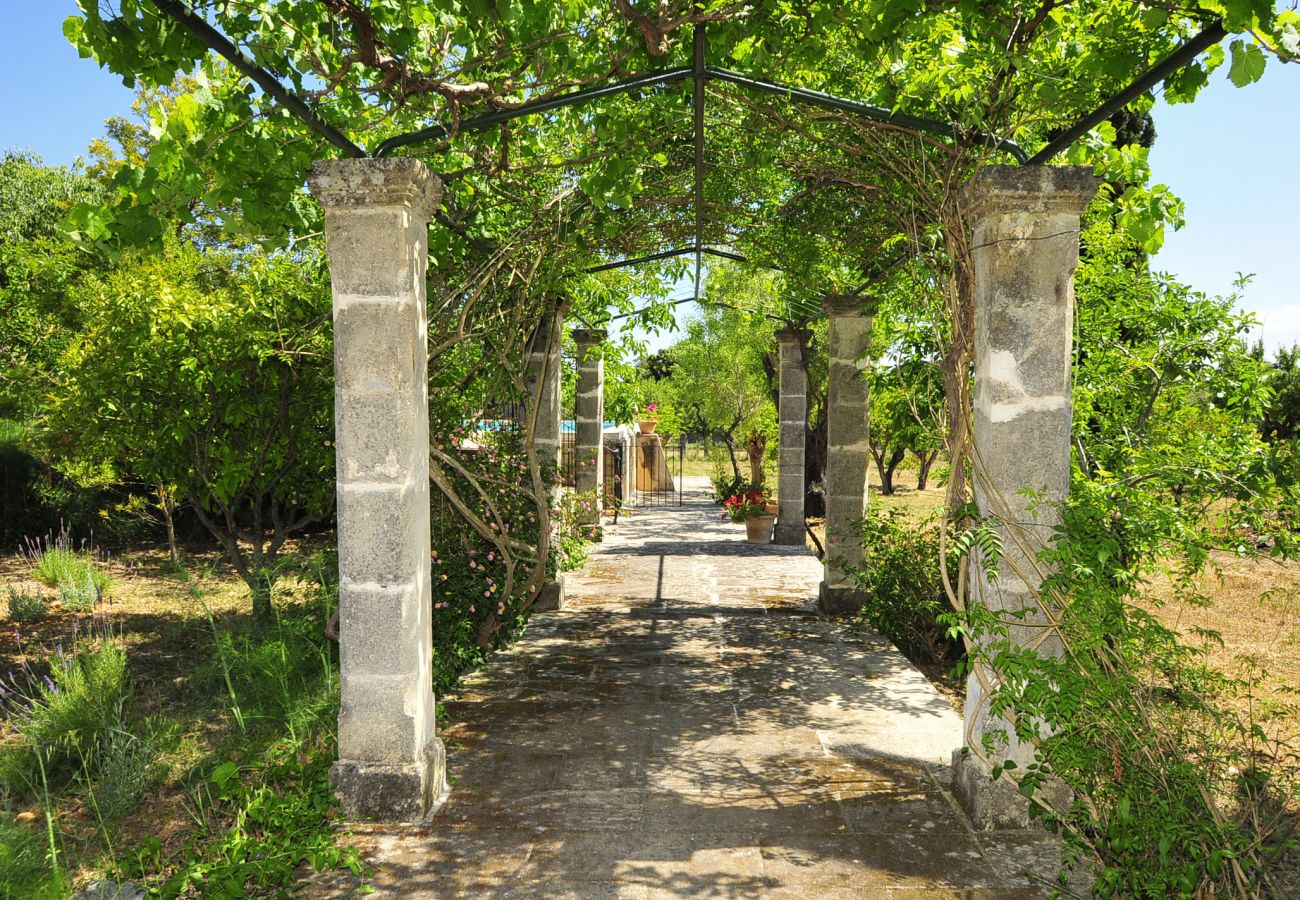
pixel 718 384
pixel 1282 415
pixel 209 376
pixel 38 265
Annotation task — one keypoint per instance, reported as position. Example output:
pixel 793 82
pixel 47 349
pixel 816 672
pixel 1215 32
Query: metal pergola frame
pixel 699 72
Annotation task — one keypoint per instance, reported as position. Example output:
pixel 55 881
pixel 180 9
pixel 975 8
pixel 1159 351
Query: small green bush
pixel 903 585
pixel 57 566
pixel 727 485
pixel 79 595
pixel 67 716
pixel 125 766
pixel 26 606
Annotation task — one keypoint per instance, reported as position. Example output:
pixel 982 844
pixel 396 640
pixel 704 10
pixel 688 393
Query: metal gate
pixel 658 470
pixel 568 459
pixel 619 491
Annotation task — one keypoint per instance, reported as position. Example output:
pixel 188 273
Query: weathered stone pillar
pixel 1025 248
pixel 391 764
pixel 847 451
pixel 543 381
pixel 589 417
pixel 792 416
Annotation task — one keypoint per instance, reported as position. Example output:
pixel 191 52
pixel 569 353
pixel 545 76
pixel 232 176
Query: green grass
pixel 247 739
pixel 25 870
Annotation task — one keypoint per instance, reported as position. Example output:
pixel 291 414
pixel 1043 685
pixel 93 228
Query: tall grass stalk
pixel 196 593
pixel 48 807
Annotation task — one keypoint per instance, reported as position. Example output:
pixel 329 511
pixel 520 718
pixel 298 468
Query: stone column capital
pixel 998 190
pixel 587 337
pixel 362 183
pixel 856 305
pixel 793 336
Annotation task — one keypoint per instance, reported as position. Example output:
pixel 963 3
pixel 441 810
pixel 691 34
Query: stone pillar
pixel 543 381
pixel 391 764
pixel 792 416
pixel 847 451
pixel 1025 248
pixel 589 417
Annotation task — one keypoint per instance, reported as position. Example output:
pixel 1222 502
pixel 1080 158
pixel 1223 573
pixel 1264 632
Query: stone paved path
pixel 688 727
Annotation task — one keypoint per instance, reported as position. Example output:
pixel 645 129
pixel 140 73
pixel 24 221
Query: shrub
pixel 902 584
pixel 55 562
pixel 66 716
pixel 570 538
pixel 124 765
pixel 26 606
pixel 726 486
pixel 79 594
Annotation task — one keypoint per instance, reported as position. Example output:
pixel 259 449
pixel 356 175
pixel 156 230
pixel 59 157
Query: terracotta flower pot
pixel 771 507
pixel 649 426
pixel 758 529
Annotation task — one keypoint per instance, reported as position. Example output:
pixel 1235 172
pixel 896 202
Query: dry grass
pixel 1255 613
pixel 146 601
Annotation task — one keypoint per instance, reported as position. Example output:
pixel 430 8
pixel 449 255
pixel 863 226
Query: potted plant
pixel 650 420
pixel 751 507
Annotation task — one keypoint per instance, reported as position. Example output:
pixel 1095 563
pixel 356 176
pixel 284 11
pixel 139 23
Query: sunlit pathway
pixel 688 727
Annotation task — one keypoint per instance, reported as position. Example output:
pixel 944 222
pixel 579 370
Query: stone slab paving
pixel 689 727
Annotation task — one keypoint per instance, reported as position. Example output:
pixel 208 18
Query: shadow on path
pixel 688 727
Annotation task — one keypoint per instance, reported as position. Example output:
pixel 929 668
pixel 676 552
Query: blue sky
pixel 1233 156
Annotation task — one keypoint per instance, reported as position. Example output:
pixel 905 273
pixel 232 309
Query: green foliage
pixel 1282 416
pixel 902 584
pixel 279 678
pixel 906 407
pixel 261 824
pixel 571 535
pixel 719 385
pixel 124 769
pixel 79 595
pixel 66 717
pixel 218 385
pixel 26 607
pixel 264 810
pixel 38 266
pixel 58 565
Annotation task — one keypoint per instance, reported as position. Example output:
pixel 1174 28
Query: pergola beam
pixel 1194 47
pixel 862 110
pixel 213 39
pixel 535 107
pixel 698 70
pixel 666 254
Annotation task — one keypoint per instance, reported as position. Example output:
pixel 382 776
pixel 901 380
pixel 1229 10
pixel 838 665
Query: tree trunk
pixel 731 449
pixel 925 460
pixel 756 448
pixel 815 466
pixel 167 506
pixel 956 368
pixel 886 468
pixel 262 612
